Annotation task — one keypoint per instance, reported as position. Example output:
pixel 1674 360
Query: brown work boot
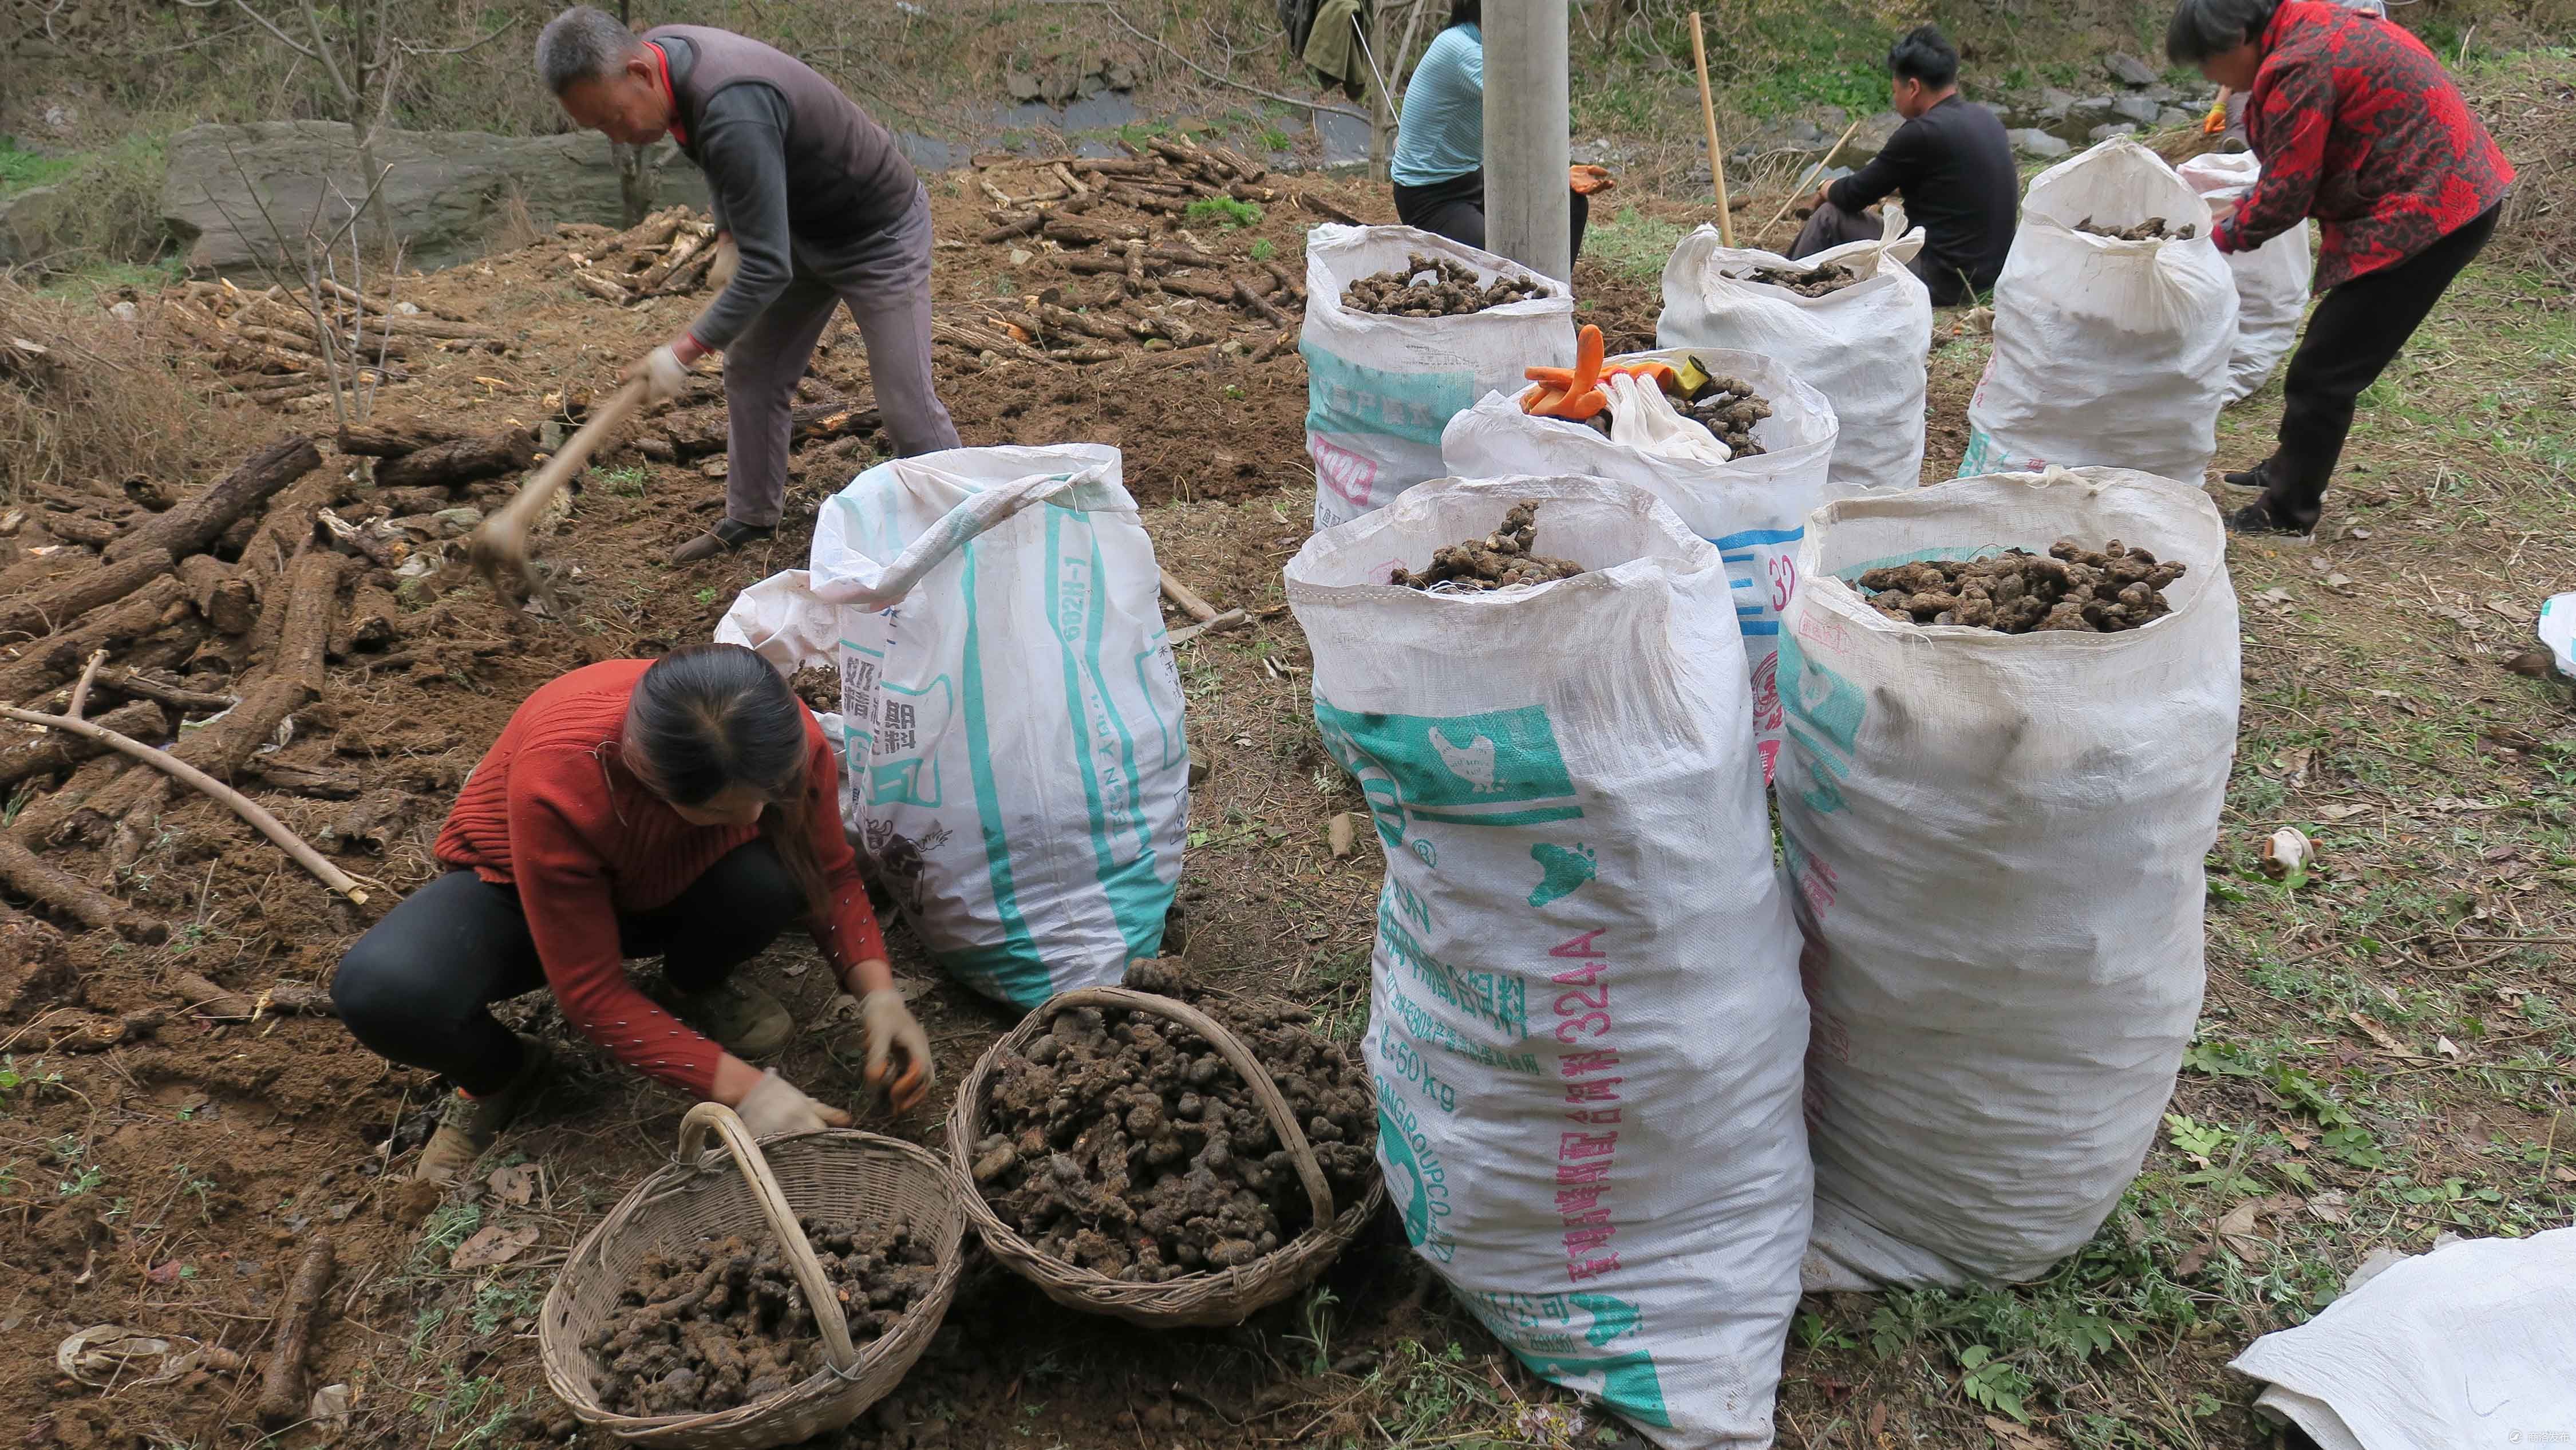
pixel 727 534
pixel 471 1125
pixel 747 1021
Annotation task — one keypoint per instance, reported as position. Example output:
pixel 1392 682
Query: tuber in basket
pixel 1210 1297
pixel 837 1175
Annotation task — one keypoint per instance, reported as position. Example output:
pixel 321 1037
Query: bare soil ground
pixel 2386 1055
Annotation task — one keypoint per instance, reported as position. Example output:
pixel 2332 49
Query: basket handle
pixel 716 1117
pixel 1319 1194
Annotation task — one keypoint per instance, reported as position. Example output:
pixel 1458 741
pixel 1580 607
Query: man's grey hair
pixel 583 43
pixel 2203 28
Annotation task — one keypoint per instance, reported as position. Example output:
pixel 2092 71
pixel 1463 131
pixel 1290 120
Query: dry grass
pixel 2526 105
pixel 102 399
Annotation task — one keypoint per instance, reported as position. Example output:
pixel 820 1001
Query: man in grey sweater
pixel 814 207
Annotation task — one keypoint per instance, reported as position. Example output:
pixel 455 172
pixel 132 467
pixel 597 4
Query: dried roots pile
pixel 723 1321
pixel 1449 290
pixel 2017 593
pixel 1124 1144
pixel 1807 281
pixel 2153 229
pixel 1499 560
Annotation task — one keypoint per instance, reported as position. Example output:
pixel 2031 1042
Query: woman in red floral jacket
pixel 2357 126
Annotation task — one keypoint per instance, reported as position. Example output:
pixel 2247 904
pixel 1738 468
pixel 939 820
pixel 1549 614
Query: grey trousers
pixel 885 281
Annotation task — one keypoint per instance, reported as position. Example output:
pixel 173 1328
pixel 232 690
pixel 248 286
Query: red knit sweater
pixel 553 811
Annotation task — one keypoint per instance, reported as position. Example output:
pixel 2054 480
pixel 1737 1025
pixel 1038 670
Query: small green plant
pixel 1264 250
pixel 1993 1383
pixel 11 1079
pixel 707 595
pixel 1224 211
pixel 627 479
pixel 1317 1313
pixel 1274 139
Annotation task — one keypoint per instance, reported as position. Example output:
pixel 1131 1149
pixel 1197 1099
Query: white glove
pixel 890 1026
pixel 664 375
pixel 775 1106
pixel 1641 417
pixel 728 261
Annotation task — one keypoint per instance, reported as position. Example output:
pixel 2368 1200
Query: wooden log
pixel 461 460
pixel 1323 208
pixel 372 621
pixel 304 780
pixel 1081 231
pixel 1114 166
pixel 1289 286
pixel 1087 354
pixel 689 274
pixel 282 1398
pixel 807 423
pixel 1146 201
pixel 96 1031
pixel 977 340
pixel 67 895
pixel 201 518
pixel 684 248
pixel 46 820
pixel 48 751
pixel 1244 296
pixel 46 610
pixel 384 305
pixel 655 230
pixel 205 1000
pixel 1236 162
pixel 229 603
pixel 393 435
pixel 133 683
pixel 601 287
pixel 1210 289
pixel 1019 227
pixel 33 963
pixel 1275 346
pixel 79 529
pixel 41 664
pixel 435 328
pixel 1109 329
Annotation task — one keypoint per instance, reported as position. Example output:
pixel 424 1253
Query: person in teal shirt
pixel 1439 167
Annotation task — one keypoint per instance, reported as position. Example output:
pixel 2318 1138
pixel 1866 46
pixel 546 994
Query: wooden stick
pixel 1821 164
pixel 282 1401
pixel 49 751
pixel 1716 152
pixel 180 770
pixel 1187 598
pixel 80 688
pixel 1228 620
pixel 221 1004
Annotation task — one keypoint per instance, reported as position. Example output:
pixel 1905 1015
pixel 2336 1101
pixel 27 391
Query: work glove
pixel 886 1028
pixel 775 1106
pixel 664 374
pixel 728 261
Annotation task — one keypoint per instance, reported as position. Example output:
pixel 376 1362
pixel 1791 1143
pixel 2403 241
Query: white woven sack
pixel 1014 764
pixel 1379 389
pixel 2106 352
pixel 1996 842
pixel 1862 347
pixel 1753 509
pixel 2271 280
pixel 1584 1020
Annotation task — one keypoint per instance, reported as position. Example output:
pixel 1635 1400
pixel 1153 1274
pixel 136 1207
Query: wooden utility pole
pixel 1527 104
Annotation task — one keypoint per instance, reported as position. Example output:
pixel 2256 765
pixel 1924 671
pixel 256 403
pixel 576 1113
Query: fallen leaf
pixel 2446 1048
pixel 2378 1034
pixel 2341 813
pixel 1341 834
pixel 2194 1259
pixel 2508 609
pixel 332 1404
pixel 515 1186
pixel 2237 1231
pixel 494 1245
pixel 2017 1437
pixel 164 1273
pixel 2329 1207
pixel 2278 595
pixel 2338 580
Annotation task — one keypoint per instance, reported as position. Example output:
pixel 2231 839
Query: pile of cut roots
pixel 2015 592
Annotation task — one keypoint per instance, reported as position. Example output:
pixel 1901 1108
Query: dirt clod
pixel 2017 592
pixel 1499 560
pixel 1807 281
pixel 1435 287
pixel 723 1321
pixel 1122 1143
pixel 2153 229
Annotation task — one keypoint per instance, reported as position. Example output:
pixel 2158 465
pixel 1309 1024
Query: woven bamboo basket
pixel 1214 1297
pixel 836 1175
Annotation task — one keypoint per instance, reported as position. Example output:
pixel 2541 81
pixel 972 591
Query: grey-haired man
pixel 815 207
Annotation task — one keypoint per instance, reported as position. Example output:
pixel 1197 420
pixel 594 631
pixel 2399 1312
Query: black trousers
pixel 1456 209
pixel 419 986
pixel 2355 333
pixel 1831 226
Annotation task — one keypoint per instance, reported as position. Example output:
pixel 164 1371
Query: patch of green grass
pixel 1264 250
pixel 627 480
pixel 20 169
pixel 450 1224
pixel 1224 211
pixel 1633 244
pixel 1274 139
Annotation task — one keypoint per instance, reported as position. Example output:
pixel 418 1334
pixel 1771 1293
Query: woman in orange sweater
pixel 685 808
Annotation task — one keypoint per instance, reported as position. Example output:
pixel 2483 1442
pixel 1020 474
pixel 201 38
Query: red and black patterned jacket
pixel 2358 126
